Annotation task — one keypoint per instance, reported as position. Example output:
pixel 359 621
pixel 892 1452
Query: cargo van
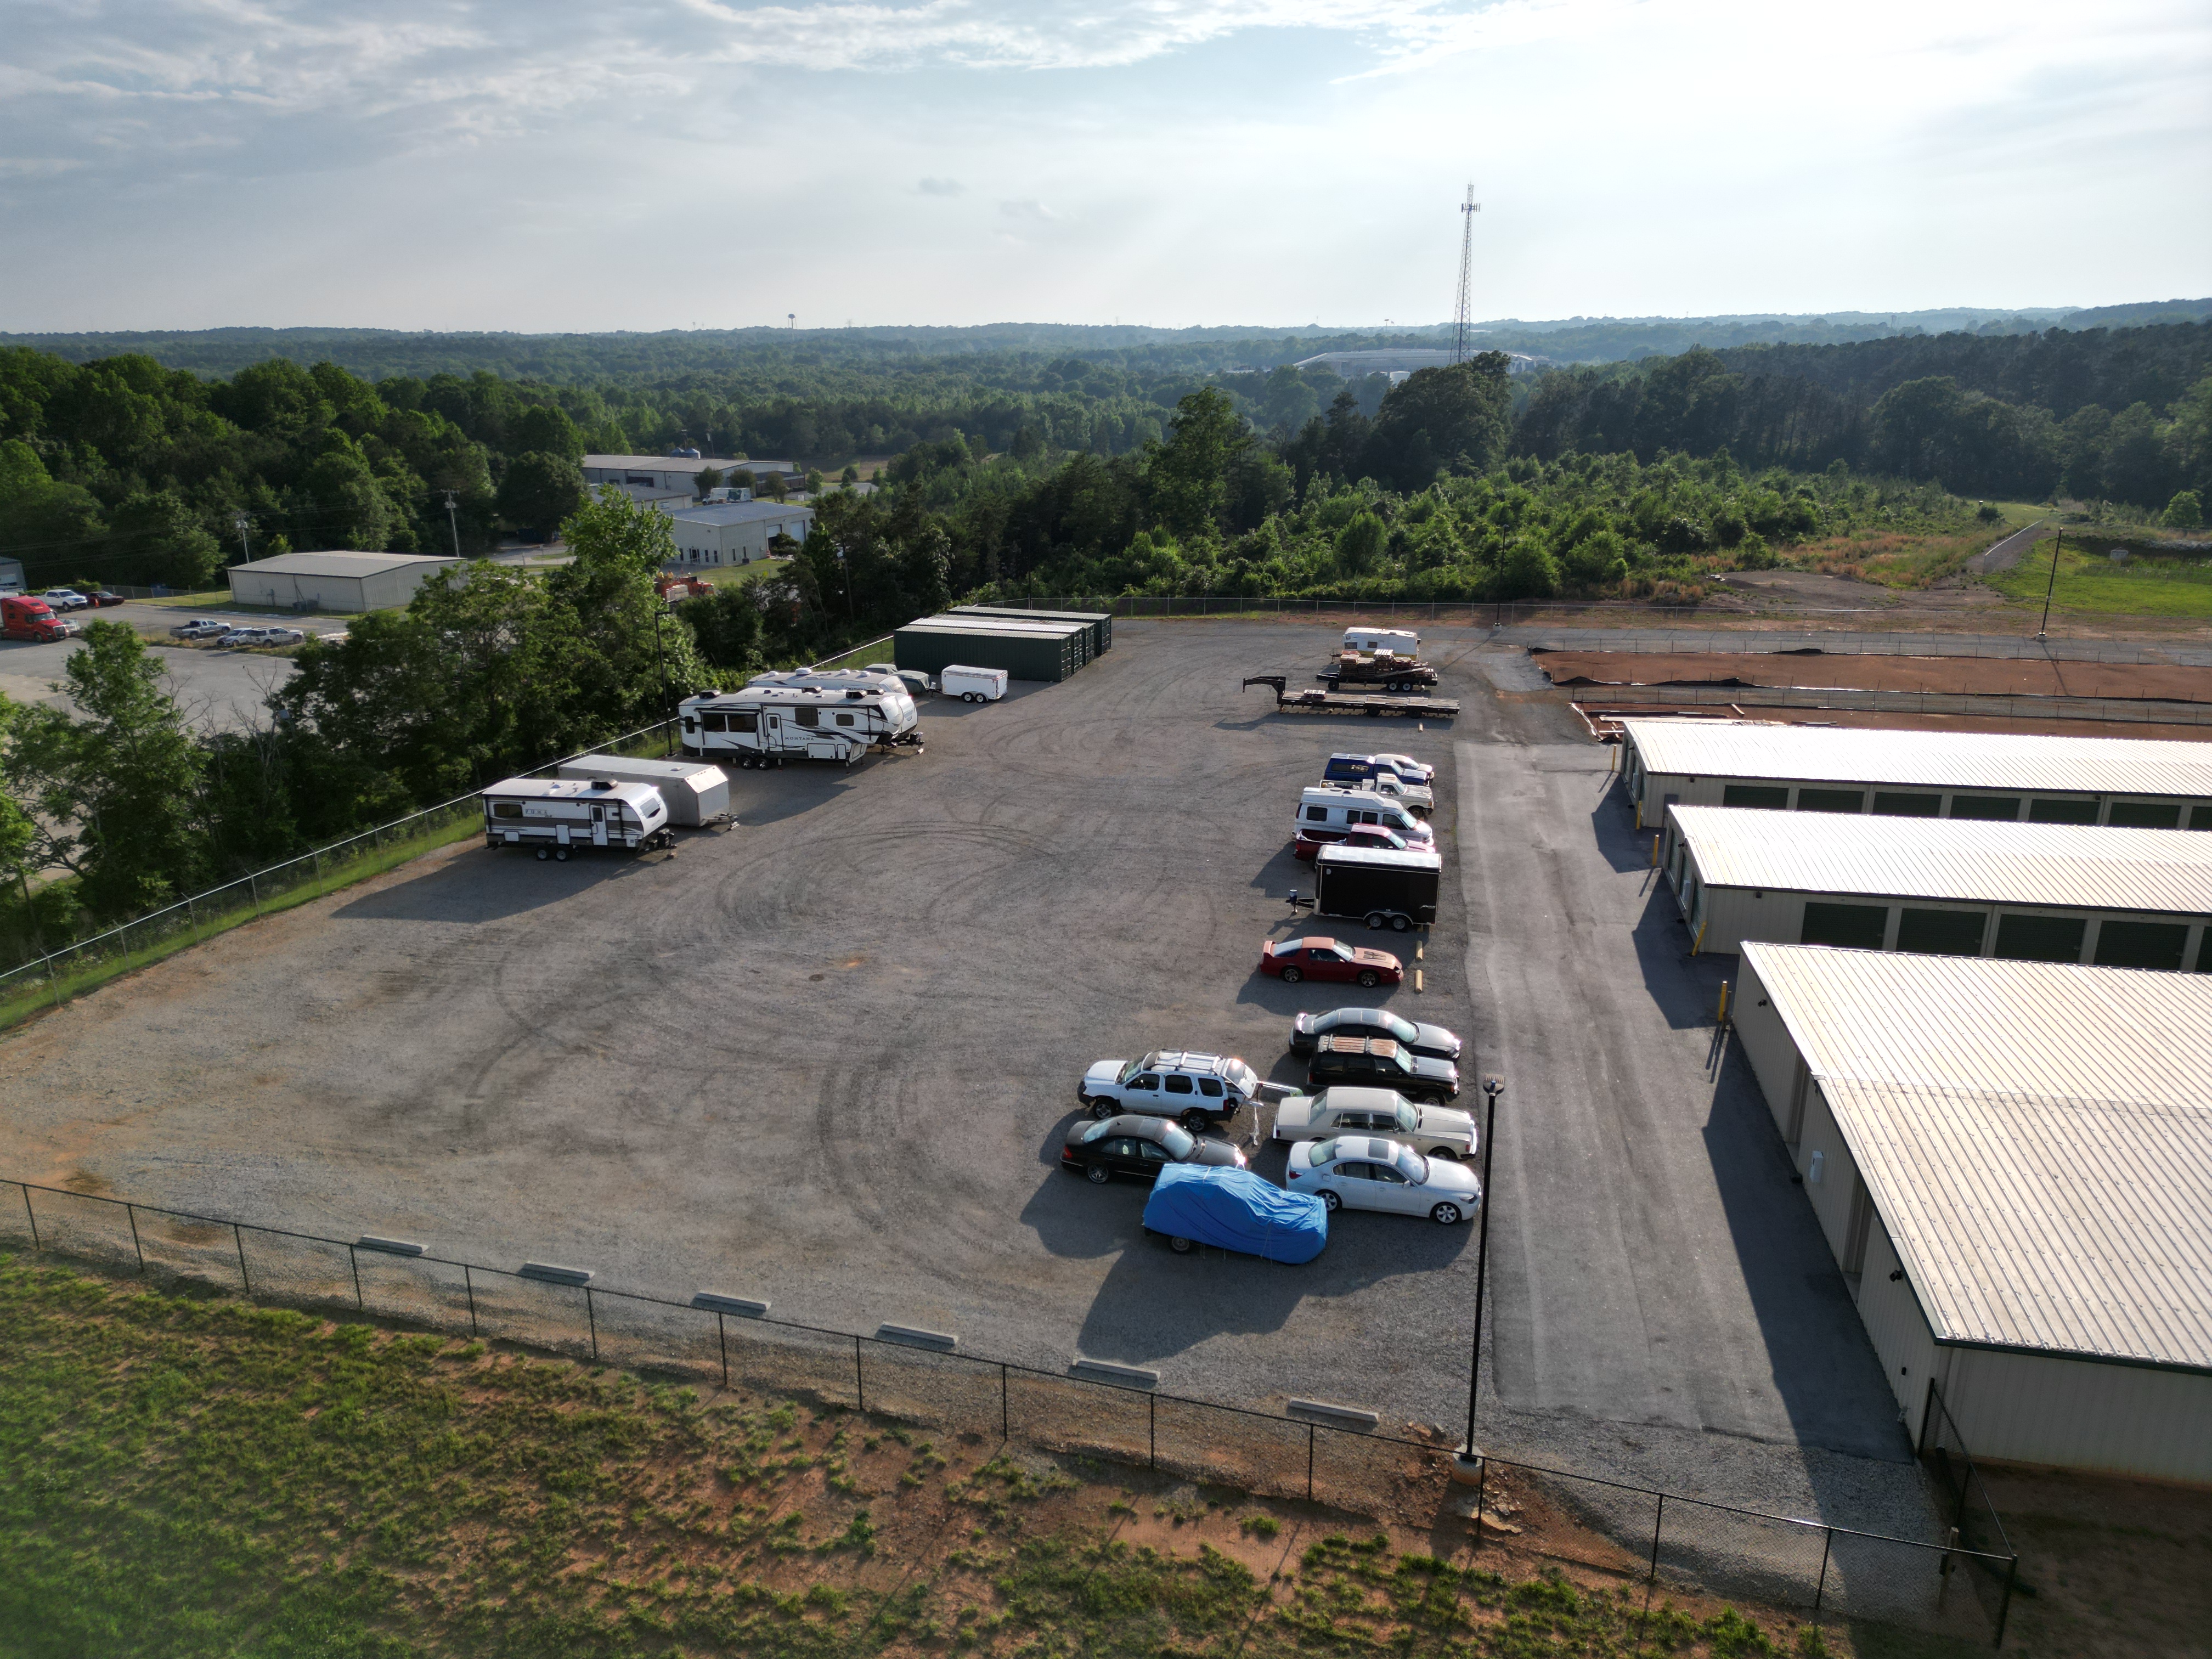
pixel 1398 642
pixel 1325 808
pixel 971 684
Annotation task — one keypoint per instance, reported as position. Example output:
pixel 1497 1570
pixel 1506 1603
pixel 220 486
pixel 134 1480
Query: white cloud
pixel 941 187
pixel 1027 207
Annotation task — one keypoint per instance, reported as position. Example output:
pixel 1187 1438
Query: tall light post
pixel 2057 542
pixel 1469 1462
pixel 241 524
pixel 660 610
pixel 453 518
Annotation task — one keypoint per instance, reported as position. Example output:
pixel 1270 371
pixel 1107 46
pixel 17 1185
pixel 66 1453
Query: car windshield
pixel 1324 1151
pixel 1130 1070
pixel 1408 1119
pixel 1097 1132
pixel 1242 1078
pixel 1178 1141
pixel 1403 1030
pixel 1411 1164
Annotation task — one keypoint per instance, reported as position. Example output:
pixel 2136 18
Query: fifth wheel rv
pixel 768 724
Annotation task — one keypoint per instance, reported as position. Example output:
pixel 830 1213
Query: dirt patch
pixel 2015 676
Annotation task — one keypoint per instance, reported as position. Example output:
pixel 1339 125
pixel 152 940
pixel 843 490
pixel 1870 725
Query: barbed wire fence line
pixel 1526 1513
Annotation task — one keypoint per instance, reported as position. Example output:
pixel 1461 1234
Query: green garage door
pixel 1859 927
pixel 1830 800
pixel 2145 814
pixel 1996 809
pixel 2142 944
pixel 2040 939
pixel 2062 811
pixel 1943 932
pixel 1754 795
pixel 1899 804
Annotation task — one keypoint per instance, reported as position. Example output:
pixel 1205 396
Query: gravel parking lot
pixel 827 1059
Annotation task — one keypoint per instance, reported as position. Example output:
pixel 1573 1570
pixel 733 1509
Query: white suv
pixel 64 599
pixel 1201 1092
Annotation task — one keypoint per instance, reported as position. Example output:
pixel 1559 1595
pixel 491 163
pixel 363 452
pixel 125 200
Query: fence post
pixel 469 1289
pixel 319 871
pixel 353 1258
pixel 2004 1603
pixel 131 1210
pixel 859 1377
pixel 254 882
pixel 238 1237
pixel 1482 1494
pixel 192 917
pixel 722 1340
pixel 1152 1430
pixel 1658 1521
pixel 34 1215
pixel 1006 1428
pixel 592 1320
pixel 1309 1460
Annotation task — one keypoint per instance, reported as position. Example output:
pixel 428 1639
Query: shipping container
pixel 1075 631
pixel 1101 622
pixel 933 646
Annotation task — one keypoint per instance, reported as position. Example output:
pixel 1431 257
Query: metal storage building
pixel 1042 652
pixel 2028 892
pixel 1079 632
pixel 2012 1162
pixel 1100 623
pixel 2001 776
pixel 694 790
pixel 344 581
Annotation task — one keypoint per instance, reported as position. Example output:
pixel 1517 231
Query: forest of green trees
pixel 1043 478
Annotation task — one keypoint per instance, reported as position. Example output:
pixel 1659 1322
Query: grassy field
pixel 1908 558
pixel 184 1476
pixel 2180 586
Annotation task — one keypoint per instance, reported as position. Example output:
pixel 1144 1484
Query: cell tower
pixel 1467 209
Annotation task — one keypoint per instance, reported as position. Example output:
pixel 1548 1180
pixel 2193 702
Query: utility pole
pixel 453 518
pixel 1467 209
pixel 2057 542
pixel 241 524
pixel 1493 1086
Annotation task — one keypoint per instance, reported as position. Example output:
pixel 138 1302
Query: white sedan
pixel 1361 1173
pixel 1433 1131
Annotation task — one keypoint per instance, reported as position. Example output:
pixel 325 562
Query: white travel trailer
pixel 1397 641
pixel 834 679
pixel 768 724
pixel 552 815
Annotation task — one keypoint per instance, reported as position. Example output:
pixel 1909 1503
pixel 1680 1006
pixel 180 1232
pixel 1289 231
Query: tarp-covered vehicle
pixel 1235 1210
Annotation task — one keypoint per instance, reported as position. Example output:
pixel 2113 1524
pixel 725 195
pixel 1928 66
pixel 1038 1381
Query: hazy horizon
pixel 691 163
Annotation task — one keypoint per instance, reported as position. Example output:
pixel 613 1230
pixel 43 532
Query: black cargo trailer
pixel 1100 623
pixel 1383 887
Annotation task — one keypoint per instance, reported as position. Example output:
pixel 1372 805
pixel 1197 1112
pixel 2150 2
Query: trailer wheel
pixel 1377 921
pixel 542 854
pixel 561 853
pixel 1402 924
pixel 1180 1246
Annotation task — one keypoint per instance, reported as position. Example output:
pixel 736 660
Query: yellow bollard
pixel 1722 1018
pixel 1417 979
pixel 1700 944
pixel 1654 852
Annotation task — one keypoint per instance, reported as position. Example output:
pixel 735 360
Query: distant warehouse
pixel 733 532
pixel 1027 648
pixel 2028 892
pixel 1990 776
pixel 2012 1162
pixel 335 581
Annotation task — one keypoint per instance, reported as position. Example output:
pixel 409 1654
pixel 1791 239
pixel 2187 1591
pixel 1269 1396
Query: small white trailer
pixel 553 815
pixel 769 724
pixel 695 793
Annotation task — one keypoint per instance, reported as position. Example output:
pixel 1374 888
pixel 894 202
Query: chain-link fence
pixel 1523 1516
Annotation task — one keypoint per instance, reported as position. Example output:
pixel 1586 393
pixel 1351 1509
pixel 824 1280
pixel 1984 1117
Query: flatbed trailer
pixel 1347 702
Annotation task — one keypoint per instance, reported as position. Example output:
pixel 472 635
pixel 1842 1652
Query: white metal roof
pixel 739 513
pixel 1931 760
pixel 2037 1136
pixel 339 564
pixel 688 466
pixel 2074 867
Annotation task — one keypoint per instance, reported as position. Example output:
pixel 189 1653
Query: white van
pixel 1326 809
pixel 971 684
pixel 1402 642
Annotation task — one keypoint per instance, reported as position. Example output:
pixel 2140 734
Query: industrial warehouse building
pixel 1099 623
pixel 350 582
pixel 733 532
pixel 666 478
pixel 1986 776
pixel 2027 892
pixel 1027 650
pixel 2012 1162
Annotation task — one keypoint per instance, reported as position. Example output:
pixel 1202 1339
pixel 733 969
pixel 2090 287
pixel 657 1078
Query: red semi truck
pixel 26 619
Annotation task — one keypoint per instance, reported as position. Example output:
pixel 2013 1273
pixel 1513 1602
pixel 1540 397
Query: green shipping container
pixel 971 620
pixel 1101 622
pixel 1025 654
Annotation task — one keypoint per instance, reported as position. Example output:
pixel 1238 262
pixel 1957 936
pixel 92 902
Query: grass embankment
pixel 1908 558
pixel 2149 585
pixel 181 1476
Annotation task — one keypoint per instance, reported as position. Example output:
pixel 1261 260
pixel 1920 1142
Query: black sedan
pixel 1380 1063
pixel 1141 1148
pixel 1432 1040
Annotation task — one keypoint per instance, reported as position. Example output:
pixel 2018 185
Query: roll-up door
pixel 1858 926
pixel 1943 932
pixel 1830 800
pixel 2040 939
pixel 2142 944
pixel 1754 795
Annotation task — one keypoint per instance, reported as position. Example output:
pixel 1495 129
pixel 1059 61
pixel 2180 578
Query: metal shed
pixel 1026 653
pixel 694 790
pixel 2137 782
pixel 2017 1194
pixel 343 582
pixel 1100 623
pixel 2027 892
pixel 1078 633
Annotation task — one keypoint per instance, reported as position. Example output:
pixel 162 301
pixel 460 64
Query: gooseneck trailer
pixel 1346 702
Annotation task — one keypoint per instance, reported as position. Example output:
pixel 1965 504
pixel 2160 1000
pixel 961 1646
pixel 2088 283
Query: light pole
pixel 1469 1462
pixel 453 518
pixel 2057 542
pixel 241 524
pixel 847 569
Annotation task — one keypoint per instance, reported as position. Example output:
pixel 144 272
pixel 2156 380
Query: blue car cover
pixel 1236 1210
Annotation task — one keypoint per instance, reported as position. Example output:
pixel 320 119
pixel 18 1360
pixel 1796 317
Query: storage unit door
pixel 2040 939
pixel 2142 944
pixel 1943 932
pixel 1755 795
pixel 1856 927
pixel 1830 800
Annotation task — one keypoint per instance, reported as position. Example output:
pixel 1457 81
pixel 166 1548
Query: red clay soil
pixel 1973 676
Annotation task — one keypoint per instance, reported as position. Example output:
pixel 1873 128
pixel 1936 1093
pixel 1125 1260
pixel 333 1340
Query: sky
pixel 532 164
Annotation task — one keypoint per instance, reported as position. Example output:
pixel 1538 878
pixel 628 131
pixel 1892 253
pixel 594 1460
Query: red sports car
pixel 102 597
pixel 1294 959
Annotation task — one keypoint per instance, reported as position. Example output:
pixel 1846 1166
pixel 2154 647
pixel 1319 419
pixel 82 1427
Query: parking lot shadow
pixel 1684 987
pixel 482 885
pixel 1613 831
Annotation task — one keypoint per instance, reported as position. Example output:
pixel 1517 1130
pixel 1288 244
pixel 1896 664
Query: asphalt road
pixel 217 690
pixel 827 1059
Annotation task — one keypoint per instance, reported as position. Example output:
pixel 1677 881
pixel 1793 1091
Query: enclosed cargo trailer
pixel 694 792
pixel 1384 887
